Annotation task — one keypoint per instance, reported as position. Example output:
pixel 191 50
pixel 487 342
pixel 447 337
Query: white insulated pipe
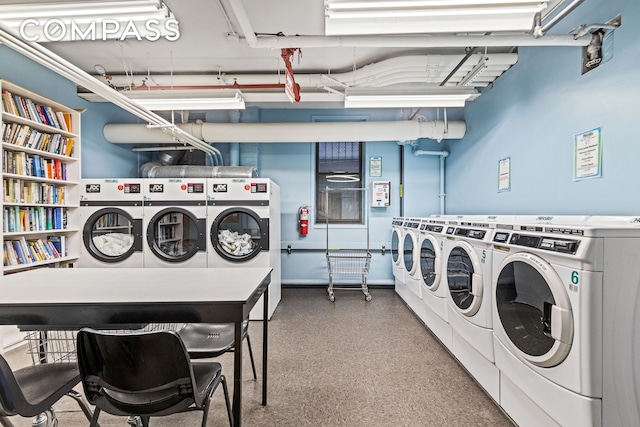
pixel 407 130
pixel 443 155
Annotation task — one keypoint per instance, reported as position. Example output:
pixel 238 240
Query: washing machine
pixel 430 249
pixel 397 264
pixel 566 299
pixel 468 272
pixel 111 215
pixel 175 211
pixel 411 257
pixel 243 229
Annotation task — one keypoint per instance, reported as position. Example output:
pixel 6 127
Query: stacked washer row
pixel 190 222
pixel 540 310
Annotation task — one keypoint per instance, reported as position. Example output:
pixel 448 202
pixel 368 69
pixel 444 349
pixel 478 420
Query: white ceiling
pixel 212 50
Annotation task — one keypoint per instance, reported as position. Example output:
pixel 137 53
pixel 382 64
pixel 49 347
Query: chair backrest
pixel 141 373
pixel 9 389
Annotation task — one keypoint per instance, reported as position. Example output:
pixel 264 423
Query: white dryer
pixel 468 271
pixel 565 302
pixel 411 256
pixel 397 264
pixel 175 222
pixel 243 223
pixel 432 282
pixel 111 215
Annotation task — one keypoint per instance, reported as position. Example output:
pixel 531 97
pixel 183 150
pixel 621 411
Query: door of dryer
pixel 465 280
pixel 112 235
pixel 534 309
pixel 239 234
pixel 430 262
pixel 395 246
pixel 408 248
pixel 175 234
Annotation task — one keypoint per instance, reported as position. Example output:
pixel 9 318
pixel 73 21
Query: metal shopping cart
pixel 347 262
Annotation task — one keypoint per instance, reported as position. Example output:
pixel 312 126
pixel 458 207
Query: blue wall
pixel 531 115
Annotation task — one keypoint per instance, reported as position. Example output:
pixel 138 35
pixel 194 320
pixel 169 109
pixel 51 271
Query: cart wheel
pixel 332 297
pixel 367 297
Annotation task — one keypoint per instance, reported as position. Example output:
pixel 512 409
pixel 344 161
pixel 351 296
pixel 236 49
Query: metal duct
pixel 156 170
pixel 410 130
pixel 167 158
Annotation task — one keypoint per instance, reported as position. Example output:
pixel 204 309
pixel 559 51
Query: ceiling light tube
pixel 387 98
pixel 188 100
pixel 393 4
pixel 87 8
pixel 417 13
pixel 475 72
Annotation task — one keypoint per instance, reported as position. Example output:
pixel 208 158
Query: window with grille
pixel 338 168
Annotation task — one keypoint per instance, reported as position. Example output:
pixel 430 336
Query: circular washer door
pixel 408 248
pixel 534 309
pixel 175 234
pixel 464 278
pixel 430 262
pixel 395 246
pixel 239 234
pixel 111 235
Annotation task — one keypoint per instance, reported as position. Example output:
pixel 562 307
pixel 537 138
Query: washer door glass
pixel 239 234
pixel 429 264
pixel 395 243
pixel 111 235
pixel 527 301
pixel 460 273
pixel 174 234
pixel 408 251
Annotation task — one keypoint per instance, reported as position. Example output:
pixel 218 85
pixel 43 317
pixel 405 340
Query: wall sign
pixel 587 154
pixel 504 174
pixel 375 166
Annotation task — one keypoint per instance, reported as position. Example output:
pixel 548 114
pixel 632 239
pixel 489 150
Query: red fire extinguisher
pixel 303 220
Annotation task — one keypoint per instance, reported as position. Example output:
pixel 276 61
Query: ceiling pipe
pixel 443 155
pixel 411 130
pixel 402 69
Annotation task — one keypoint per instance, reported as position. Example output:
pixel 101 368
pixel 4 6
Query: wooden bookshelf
pixel 40 179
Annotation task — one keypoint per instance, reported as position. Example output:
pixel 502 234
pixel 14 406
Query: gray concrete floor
pixel 347 363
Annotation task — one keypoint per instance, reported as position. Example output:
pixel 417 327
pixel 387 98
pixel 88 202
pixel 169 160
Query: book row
pixel 37 218
pixel 25 251
pixel 26 108
pixel 30 192
pixel 20 163
pixel 25 136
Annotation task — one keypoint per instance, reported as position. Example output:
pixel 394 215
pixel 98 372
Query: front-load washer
pixel 111 215
pixel 432 283
pixel 565 302
pixel 397 262
pixel 243 223
pixel 468 267
pixel 175 222
pixel 411 257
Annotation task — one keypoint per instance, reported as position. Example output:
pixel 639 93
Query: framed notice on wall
pixel 504 174
pixel 587 154
pixel 375 166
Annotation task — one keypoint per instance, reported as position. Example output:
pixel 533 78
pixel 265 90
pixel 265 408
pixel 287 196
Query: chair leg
pixel 94 419
pixel 225 389
pixel 82 403
pixel 253 363
pixel 5 422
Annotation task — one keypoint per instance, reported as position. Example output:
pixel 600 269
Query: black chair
pixel 145 374
pixel 205 340
pixel 32 391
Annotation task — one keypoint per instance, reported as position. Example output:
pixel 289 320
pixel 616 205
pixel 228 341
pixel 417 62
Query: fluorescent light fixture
pixel 166 100
pixel 475 72
pixel 87 9
pixel 390 98
pixel 344 17
pixel 66 20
